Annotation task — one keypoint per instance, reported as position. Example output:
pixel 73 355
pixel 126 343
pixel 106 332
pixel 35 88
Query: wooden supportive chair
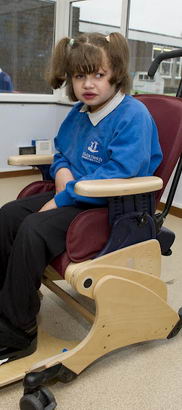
pixel 113 256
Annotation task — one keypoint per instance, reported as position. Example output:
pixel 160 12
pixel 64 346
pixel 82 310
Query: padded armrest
pixel 118 187
pixel 30 160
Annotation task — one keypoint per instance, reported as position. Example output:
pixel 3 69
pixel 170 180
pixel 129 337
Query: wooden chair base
pixel 126 313
pixel 130 303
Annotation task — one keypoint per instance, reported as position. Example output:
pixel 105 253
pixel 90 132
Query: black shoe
pixel 15 343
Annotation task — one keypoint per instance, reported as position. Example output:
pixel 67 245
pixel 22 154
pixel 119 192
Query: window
pixel 152 31
pixel 26 40
pixel 89 16
pixel 29 30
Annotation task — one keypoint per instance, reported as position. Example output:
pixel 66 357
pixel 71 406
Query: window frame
pixel 62 29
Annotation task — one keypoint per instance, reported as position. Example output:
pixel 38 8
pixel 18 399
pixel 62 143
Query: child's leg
pixel 11 216
pixel 40 238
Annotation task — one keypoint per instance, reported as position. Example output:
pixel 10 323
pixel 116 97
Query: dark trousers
pixel 29 240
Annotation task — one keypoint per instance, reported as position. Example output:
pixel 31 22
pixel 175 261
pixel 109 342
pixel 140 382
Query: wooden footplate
pixel 47 346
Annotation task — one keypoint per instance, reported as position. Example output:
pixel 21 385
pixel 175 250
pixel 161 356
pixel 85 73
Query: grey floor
pixel 146 376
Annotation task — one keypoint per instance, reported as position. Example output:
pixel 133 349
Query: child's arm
pixel 63 176
pixel 59 162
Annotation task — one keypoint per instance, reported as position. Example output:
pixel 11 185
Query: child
pixel 107 134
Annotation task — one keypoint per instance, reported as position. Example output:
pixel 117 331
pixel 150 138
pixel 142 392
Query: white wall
pixel 20 123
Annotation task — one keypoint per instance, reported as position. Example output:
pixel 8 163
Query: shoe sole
pixel 12 354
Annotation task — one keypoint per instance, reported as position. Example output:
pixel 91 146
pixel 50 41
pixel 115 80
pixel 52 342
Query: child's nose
pixel 88 83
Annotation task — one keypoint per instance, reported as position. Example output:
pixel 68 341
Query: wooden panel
pixel 144 257
pixel 126 313
pixel 96 272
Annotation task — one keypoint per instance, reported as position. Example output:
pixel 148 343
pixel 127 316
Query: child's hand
pixel 49 205
pixel 63 176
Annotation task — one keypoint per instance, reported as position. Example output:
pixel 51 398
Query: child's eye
pixel 79 76
pixel 99 75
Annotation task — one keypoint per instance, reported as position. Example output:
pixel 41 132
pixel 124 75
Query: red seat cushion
pixel 86 236
pixel 36 187
pixel 60 263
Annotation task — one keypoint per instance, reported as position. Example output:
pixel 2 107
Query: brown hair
pixel 84 54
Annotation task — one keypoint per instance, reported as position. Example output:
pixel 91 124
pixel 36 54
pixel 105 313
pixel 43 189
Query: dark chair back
pixel 167 113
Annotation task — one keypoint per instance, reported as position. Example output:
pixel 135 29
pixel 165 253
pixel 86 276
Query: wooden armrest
pixel 118 187
pixel 30 160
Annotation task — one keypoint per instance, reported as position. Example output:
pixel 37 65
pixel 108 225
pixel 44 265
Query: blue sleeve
pixel 68 197
pixel 59 159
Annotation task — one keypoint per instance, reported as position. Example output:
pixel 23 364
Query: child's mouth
pixel 89 96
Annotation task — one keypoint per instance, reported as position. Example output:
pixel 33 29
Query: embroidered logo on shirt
pixel 93 147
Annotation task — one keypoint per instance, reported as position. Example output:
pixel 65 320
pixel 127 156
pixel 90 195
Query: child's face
pixel 94 89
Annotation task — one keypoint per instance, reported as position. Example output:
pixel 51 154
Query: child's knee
pixel 29 226
pixel 9 209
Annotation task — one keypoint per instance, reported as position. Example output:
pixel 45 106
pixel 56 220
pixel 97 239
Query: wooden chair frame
pixel 130 298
